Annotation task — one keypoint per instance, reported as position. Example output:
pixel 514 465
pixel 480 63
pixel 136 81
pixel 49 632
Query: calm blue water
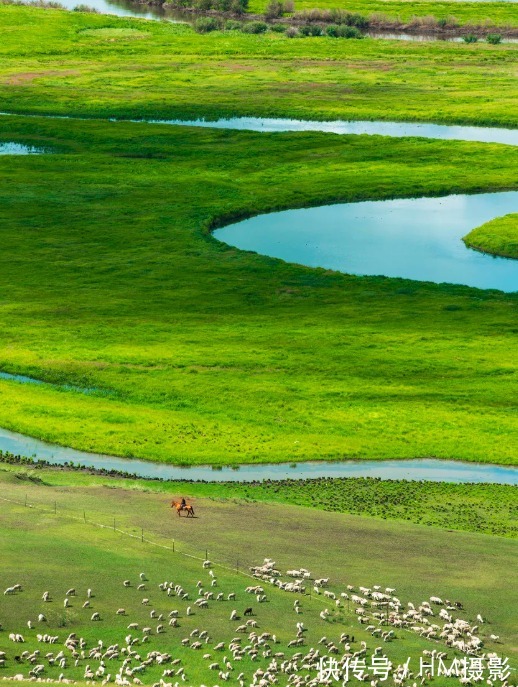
pixel 429 469
pixel 399 129
pixel 414 238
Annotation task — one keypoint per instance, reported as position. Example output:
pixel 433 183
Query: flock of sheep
pixel 253 656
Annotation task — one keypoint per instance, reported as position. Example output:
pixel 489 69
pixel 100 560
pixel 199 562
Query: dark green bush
pixel 254 27
pixel 232 25
pixel 278 28
pixel 311 30
pixel 333 31
pixel 470 38
pixel 349 32
pixel 494 38
pixel 206 24
pixel 357 20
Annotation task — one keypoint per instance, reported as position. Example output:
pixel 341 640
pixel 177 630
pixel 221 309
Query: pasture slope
pixel 57 550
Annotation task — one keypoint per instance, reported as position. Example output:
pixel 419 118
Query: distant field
pixel 172 72
pixel 466 12
pixel 65 552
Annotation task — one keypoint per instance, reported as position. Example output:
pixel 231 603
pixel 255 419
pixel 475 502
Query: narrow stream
pixel 426 469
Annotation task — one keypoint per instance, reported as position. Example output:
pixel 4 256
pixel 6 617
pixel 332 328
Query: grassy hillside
pixel 500 237
pixel 60 528
pixel 190 351
pixel 67 63
pixel 483 508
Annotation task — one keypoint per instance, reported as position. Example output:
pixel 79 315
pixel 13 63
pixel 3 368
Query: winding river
pixel 426 469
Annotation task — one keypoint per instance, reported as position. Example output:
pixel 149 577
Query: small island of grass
pixel 499 237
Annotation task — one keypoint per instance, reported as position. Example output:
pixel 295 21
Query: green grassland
pixel 500 237
pixel 500 13
pixel 55 542
pixel 194 352
pixel 66 63
pixel 485 508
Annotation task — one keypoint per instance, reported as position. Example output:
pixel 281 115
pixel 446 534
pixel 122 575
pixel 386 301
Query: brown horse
pixel 179 508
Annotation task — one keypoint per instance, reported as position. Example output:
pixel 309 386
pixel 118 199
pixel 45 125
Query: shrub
pixel 278 28
pixel 239 6
pixel 289 7
pixel 349 32
pixel 470 38
pixel 203 5
pixel 232 25
pixel 274 9
pixel 333 31
pixel 86 8
pixel 357 20
pixel 494 38
pixel 206 24
pixel 311 30
pixel 254 27
pixel 292 32
pixel 222 5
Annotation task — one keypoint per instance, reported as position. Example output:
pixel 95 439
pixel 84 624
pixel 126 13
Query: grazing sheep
pixel 46 596
pixel 145 602
pixel 71 592
pixel 127 583
pixel 86 604
pixel 143 576
pixel 233 615
pixel 95 616
pixel 41 618
pixel 121 611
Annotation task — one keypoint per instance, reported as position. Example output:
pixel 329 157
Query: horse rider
pixel 183 504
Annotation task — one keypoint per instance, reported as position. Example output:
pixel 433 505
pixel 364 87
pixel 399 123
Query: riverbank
pixel 484 508
pixel 497 237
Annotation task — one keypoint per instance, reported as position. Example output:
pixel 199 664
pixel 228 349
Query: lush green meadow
pixel 55 542
pixel 194 352
pixel 500 236
pixel 68 63
pixel 500 13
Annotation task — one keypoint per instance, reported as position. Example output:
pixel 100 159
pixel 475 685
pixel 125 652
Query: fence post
pixel 84 515
pixel 173 545
pixel 206 555
pixel 142 536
